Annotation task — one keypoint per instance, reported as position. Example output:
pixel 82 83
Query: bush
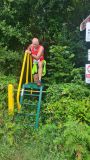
pixel 60 64
pixel 9 61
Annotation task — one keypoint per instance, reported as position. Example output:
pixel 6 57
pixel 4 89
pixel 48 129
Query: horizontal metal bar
pixel 34 95
pixel 30 125
pixel 33 91
pixel 27 114
pixel 29 104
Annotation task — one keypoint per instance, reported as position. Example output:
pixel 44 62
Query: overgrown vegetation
pixel 64 127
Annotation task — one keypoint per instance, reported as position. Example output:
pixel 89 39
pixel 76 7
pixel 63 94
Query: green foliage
pixel 63 109
pixel 18 25
pixel 67 100
pixel 61 63
pixel 64 131
pixel 76 43
pixel 4 81
pixel 9 60
pixel 77 75
pixel 67 90
pixel 65 114
pixel 67 106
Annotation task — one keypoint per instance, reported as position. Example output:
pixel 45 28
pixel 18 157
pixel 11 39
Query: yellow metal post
pixel 20 81
pixel 31 68
pixel 27 71
pixel 27 60
pixel 10 99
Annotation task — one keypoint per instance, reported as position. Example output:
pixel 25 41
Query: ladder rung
pixel 30 125
pixel 27 114
pixel 31 95
pixel 29 104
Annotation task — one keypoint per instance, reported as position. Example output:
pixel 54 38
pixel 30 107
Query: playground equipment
pixel 10 99
pixel 27 91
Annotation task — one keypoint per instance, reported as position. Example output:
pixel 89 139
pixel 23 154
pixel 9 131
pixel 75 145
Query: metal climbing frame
pixel 27 69
pixel 28 63
pixel 32 87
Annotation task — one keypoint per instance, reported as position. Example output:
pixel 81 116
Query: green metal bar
pixel 27 114
pixel 22 95
pixel 29 104
pixel 38 108
pixel 39 88
pixel 33 95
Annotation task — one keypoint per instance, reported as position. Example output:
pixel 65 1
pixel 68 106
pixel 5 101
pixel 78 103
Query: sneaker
pixel 39 83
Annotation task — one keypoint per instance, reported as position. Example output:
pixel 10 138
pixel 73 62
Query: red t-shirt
pixel 36 50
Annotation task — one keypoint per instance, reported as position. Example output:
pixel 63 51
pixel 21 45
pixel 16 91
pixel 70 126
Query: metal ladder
pixel 32 90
